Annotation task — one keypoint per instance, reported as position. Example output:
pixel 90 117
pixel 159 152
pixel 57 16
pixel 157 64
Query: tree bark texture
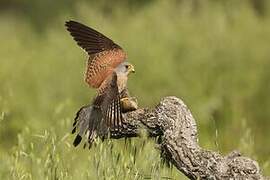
pixel 173 122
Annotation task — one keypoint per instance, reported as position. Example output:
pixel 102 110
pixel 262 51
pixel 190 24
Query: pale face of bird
pixel 125 68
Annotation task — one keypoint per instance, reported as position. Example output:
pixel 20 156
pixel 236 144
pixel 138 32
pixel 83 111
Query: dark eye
pixel 127 66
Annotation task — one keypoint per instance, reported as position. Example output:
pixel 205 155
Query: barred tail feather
pixel 86 124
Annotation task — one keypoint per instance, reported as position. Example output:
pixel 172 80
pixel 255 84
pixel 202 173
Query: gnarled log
pixel 173 122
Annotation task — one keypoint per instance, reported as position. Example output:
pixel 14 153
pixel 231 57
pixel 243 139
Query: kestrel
pixel 107 70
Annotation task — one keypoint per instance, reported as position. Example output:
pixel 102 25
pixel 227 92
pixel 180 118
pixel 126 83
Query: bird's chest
pixel 121 83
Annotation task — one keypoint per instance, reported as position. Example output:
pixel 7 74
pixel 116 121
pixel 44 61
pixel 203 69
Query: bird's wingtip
pixel 69 22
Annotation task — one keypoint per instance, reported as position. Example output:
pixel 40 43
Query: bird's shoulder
pixel 101 66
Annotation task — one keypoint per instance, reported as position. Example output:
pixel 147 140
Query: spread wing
pixel 108 100
pixel 104 115
pixel 104 54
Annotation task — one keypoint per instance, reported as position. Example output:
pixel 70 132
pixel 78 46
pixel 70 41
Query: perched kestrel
pixel 107 70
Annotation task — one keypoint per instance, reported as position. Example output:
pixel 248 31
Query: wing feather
pixel 108 100
pixel 104 54
pixel 82 32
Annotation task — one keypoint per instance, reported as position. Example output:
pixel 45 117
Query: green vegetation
pixel 214 55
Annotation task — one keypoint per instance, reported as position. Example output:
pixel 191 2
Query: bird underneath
pixel 107 70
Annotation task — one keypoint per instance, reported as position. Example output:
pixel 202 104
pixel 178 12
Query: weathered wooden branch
pixel 173 122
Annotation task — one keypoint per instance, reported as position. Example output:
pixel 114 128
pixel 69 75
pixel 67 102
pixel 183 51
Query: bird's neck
pixel 121 82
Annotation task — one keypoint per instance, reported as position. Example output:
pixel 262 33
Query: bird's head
pixel 125 68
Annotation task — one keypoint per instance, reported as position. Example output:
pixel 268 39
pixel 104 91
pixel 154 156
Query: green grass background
pixel 213 54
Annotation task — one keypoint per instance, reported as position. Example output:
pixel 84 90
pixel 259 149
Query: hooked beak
pixel 132 69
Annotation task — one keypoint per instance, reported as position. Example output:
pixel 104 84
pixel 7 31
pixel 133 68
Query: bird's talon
pixel 129 104
pixel 124 99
